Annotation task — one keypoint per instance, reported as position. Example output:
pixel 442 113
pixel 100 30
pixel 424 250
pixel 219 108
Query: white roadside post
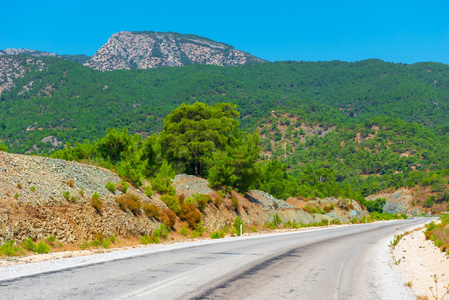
pixel 241 229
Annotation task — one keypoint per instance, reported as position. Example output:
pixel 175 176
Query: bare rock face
pixel 144 50
pixel 399 201
pixel 12 51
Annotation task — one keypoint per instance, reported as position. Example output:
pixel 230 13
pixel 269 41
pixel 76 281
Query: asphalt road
pixel 344 262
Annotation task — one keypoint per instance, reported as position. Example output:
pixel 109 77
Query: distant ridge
pixel 148 49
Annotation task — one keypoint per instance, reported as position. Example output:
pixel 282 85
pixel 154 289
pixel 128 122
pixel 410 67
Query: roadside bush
pixel 198 231
pixel 9 248
pixel 162 231
pixel 96 202
pixel 42 248
pixel 276 220
pixel 129 201
pixel 33 188
pixel 253 229
pixel 151 210
pixel 168 217
pixel 111 187
pixel 190 214
pixel 28 244
pixel 184 231
pixel 236 226
pixel 50 240
pixel 171 202
pixel 70 182
pixel 217 234
pixel 66 195
pixel 291 224
pixel 145 239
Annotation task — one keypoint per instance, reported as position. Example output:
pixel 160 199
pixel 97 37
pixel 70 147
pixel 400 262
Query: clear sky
pixel 313 30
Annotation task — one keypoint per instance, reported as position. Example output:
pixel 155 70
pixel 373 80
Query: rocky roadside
pixel 40 197
pixel 417 260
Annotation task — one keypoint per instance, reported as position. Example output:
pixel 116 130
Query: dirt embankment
pixel 40 196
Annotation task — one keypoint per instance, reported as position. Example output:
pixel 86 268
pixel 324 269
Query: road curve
pixel 344 262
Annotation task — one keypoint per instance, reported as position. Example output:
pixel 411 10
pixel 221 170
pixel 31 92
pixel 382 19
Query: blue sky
pixel 320 30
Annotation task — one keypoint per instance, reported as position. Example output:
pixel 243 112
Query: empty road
pixel 343 262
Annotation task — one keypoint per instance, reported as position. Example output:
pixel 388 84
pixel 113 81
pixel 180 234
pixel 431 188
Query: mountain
pixel 29 52
pixel 148 49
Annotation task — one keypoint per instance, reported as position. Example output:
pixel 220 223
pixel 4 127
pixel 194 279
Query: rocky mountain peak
pixel 148 49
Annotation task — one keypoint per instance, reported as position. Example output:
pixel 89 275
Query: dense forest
pixel 74 102
pixel 310 129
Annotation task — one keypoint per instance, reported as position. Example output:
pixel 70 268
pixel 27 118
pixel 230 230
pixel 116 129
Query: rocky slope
pixel 33 204
pixel 144 50
pixel 13 67
pixel 411 200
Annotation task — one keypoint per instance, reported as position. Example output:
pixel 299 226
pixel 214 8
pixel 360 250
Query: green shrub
pixel 253 229
pixel 291 224
pixel 50 240
pixel 28 244
pixel 110 186
pixel 96 202
pixel 9 248
pixel 122 186
pixel 162 231
pixel 145 239
pixel 33 188
pixel 106 243
pixel 42 248
pixel 19 185
pixel 201 201
pixel 198 231
pixel 81 192
pixel 184 231
pixel 73 199
pixel 276 220
pixel 439 243
pixel 66 195
pixel 171 202
pixel 148 191
pixel 16 196
pixel 217 234
pixel 236 226
pixel 112 238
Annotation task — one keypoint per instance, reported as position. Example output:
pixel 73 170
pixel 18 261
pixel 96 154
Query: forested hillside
pixel 72 102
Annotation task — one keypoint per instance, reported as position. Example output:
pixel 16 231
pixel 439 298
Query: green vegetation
pixel 111 187
pixel 96 202
pixel 238 222
pixel 42 248
pixel 439 233
pixel 324 128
